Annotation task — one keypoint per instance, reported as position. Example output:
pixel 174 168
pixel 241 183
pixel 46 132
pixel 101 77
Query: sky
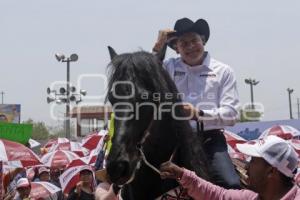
pixel 258 39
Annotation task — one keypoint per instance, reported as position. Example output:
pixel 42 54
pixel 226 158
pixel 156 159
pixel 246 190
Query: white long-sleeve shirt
pixel 210 87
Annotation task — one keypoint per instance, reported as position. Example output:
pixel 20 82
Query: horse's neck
pixel 158 147
pixel 162 141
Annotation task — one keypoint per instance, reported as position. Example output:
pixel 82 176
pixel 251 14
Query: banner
pixel 10 113
pixel 16 132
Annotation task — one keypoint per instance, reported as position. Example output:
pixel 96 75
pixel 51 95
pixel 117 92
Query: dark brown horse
pixel 148 120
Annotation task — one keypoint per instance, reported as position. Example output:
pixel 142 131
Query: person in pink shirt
pixel 270 174
pixel 107 191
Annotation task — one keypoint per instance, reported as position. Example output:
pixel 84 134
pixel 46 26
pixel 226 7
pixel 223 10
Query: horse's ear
pixel 162 53
pixel 112 52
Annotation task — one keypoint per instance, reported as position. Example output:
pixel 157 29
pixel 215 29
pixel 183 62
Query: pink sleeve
pixel 104 191
pixel 198 189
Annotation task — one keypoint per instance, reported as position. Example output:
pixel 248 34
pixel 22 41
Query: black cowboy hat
pixel 186 25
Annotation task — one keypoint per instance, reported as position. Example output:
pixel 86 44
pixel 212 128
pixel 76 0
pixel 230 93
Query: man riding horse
pixel 209 87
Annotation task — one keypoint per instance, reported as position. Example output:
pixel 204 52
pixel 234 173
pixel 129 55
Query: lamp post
pixel 2 96
pixel 251 82
pixel 72 58
pixel 290 91
pixel 298 106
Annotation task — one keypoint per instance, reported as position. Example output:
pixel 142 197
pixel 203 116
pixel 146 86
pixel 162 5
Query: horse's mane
pixel 137 67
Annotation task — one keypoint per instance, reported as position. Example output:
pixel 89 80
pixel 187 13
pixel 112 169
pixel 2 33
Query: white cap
pixel 23 182
pixel 43 169
pixel 276 151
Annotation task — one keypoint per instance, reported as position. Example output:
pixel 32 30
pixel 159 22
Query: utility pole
pixel 2 94
pixel 298 106
pixel 290 91
pixel 251 82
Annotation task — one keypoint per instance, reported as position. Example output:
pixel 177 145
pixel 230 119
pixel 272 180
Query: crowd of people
pixel 271 173
pixel 18 182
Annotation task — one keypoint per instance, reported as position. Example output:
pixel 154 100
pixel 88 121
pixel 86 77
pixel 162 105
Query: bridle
pixel 139 147
pixel 142 156
pixel 147 133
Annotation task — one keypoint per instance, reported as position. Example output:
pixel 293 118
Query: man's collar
pixel 206 61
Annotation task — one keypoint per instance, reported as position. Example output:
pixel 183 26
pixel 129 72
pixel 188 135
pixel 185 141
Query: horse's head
pixel 134 78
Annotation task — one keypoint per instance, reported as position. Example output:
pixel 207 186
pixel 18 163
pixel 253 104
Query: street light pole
pixel 252 98
pixel 68 100
pixel 2 94
pixel 72 58
pixel 251 82
pixel 290 91
pixel 298 106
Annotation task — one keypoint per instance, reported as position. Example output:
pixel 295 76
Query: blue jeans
pixel 220 165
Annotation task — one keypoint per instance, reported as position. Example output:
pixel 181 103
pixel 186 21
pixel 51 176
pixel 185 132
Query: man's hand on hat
pixel 162 39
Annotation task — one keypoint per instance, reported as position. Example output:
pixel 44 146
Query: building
pixel 89 118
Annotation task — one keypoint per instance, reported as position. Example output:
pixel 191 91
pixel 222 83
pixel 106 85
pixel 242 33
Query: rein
pixel 140 148
pixel 200 128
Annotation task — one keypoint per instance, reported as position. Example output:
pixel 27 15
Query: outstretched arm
pixel 198 188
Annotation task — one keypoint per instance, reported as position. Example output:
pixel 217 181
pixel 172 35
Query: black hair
pixel 287 181
pixel 85 170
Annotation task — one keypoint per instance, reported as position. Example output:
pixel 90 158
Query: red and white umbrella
pixel 235 154
pixel 71 177
pixel 232 139
pixel 42 190
pixel 79 162
pixel 91 141
pixel 70 146
pixel 58 159
pixel 284 131
pixel 55 141
pixel 33 143
pixel 296 144
pixel 95 152
pixel 16 154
